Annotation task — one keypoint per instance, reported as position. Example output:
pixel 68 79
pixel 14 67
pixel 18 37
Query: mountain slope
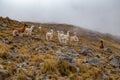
pixel 31 57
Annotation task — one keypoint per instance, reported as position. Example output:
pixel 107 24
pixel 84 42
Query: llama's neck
pixel 23 28
pixel 68 33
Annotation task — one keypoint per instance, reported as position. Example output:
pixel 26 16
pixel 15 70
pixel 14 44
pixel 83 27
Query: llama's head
pixel 51 30
pixel 68 32
pixel 101 41
pixel 58 31
pixel 32 26
pixel 40 27
pixel 24 26
pixel 62 32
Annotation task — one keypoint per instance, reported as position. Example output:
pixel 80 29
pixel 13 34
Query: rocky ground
pixel 31 57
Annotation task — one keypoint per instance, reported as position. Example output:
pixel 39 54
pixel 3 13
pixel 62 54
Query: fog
pixel 99 15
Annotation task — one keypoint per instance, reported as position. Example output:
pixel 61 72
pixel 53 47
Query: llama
pixel 65 37
pixel 74 38
pixel 29 30
pixel 49 35
pixel 18 31
pixel 15 32
pixel 21 30
pixel 60 35
pixel 40 28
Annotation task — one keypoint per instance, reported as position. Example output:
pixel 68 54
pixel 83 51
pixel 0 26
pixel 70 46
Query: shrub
pixel 4 50
pixel 49 66
pixel 65 68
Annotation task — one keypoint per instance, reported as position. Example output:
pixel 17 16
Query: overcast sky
pixel 100 15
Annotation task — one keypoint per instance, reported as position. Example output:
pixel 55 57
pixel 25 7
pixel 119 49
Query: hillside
pixel 31 57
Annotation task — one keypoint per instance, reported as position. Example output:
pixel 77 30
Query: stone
pixel 50 47
pixel 4 74
pixel 108 50
pixel 59 52
pixel 115 70
pixel 85 51
pixel 66 58
pixel 104 76
pixel 6 41
pixel 75 55
pixel 14 55
pixel 41 49
pixel 93 61
pixel 4 25
pixel 71 51
pixel 115 61
pixel 23 64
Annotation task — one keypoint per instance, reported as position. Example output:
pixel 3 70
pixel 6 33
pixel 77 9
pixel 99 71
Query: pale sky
pixel 99 15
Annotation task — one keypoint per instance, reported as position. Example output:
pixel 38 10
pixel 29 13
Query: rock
pixel 4 25
pixel 6 62
pixel 66 58
pixel 41 49
pixel 23 64
pixel 50 47
pixel 14 55
pixel 6 41
pixel 115 61
pixel 4 74
pixel 108 50
pixel 104 76
pixel 93 61
pixel 73 53
pixel 59 52
pixel 85 51
pixel 115 70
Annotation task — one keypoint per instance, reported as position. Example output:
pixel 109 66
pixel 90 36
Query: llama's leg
pixel 50 37
pixel 14 33
pixel 46 38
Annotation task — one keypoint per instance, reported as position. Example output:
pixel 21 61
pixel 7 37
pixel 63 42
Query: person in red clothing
pixel 101 45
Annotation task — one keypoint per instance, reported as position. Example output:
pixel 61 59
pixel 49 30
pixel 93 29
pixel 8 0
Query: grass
pixel 47 62
pixel 49 66
pixel 65 68
pixel 4 50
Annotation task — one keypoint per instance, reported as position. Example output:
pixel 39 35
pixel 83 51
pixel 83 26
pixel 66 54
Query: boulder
pixel 6 41
pixel 4 25
pixel 66 58
pixel 86 51
pixel 4 74
pixel 14 55
pixel 59 52
pixel 108 50
pixel 93 61
pixel 115 61
pixel 50 47
pixel 73 53
pixel 104 76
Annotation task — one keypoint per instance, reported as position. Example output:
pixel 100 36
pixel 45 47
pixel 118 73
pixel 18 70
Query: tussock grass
pixel 49 66
pixel 4 50
pixel 65 68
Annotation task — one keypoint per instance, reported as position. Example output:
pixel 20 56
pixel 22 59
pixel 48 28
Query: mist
pixel 99 15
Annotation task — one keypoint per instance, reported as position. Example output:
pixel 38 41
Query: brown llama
pixel 20 30
pixel 101 44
